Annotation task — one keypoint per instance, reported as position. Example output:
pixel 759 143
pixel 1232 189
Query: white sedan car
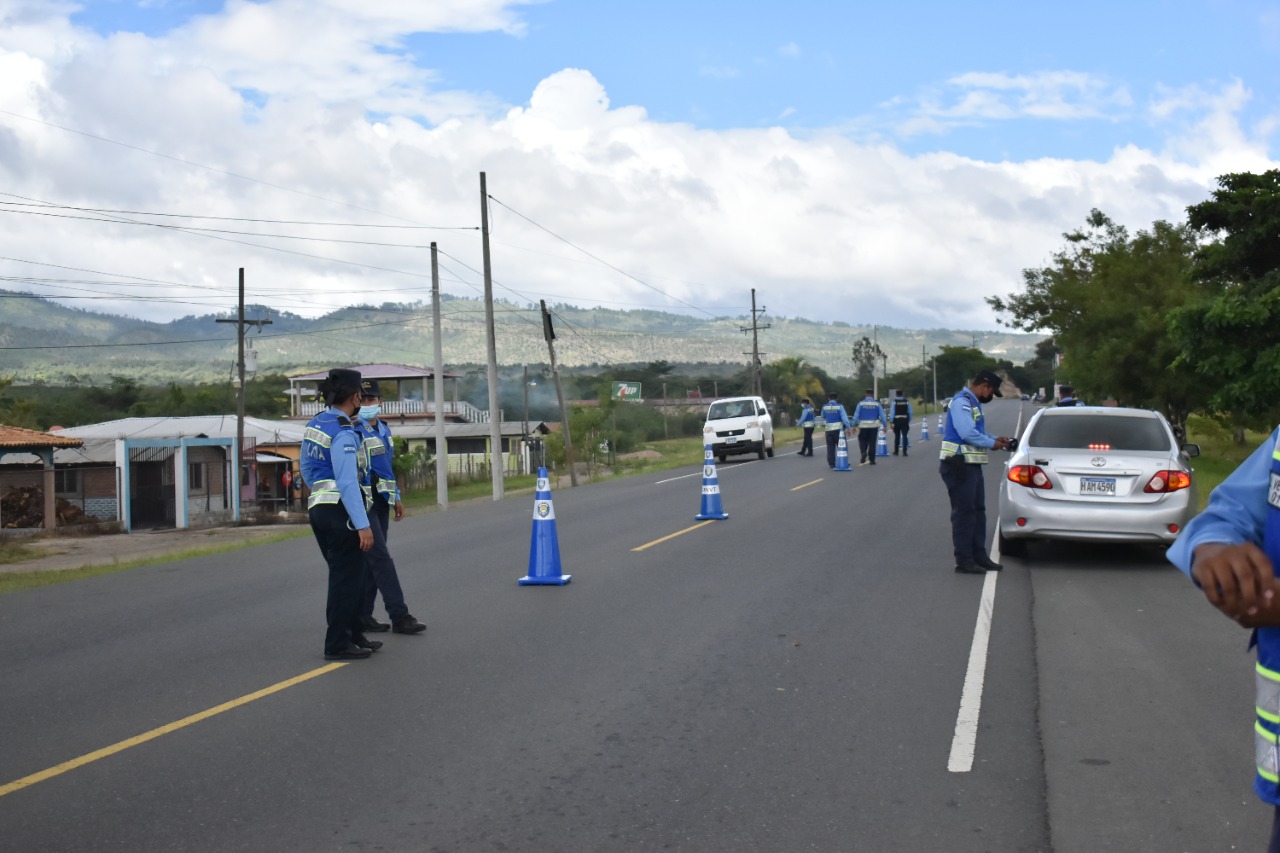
pixel 1097 473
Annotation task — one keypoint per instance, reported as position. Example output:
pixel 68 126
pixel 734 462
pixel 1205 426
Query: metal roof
pixel 208 426
pixel 378 371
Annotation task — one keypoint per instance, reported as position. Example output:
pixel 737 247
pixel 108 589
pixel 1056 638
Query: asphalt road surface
pixel 797 677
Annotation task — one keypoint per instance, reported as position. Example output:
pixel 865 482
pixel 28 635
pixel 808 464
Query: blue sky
pixel 872 163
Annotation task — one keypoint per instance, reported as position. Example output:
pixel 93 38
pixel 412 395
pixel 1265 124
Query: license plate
pixel 1097 486
pixel 731 440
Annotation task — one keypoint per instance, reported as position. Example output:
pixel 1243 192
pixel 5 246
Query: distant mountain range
pixel 43 341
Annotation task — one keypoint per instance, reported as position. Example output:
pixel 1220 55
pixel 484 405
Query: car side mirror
pixel 1192 450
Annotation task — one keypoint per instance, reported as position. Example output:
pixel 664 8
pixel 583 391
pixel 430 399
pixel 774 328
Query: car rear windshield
pixel 731 409
pixel 1085 432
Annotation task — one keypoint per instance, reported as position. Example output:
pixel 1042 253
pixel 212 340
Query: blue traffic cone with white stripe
pixel 939 423
pixel 712 508
pixel 882 446
pixel 544 547
pixel 924 429
pixel 842 455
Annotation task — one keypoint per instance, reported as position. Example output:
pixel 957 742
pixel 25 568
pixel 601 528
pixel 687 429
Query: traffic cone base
pixel 882 447
pixel 712 508
pixel 544 546
pixel 842 455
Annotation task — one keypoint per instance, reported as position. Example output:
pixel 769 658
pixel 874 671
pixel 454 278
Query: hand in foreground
pixel 399 510
pixel 1240 581
pixel 366 539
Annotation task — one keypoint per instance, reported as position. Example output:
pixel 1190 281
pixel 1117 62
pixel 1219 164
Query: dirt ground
pixel 72 552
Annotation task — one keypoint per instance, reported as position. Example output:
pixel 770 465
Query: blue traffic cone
pixel 711 506
pixel 544 547
pixel 924 429
pixel 939 423
pixel 842 455
pixel 882 446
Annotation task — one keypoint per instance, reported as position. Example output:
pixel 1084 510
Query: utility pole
pixel 240 324
pixel 875 344
pixel 437 387
pixel 495 416
pixel 924 363
pixel 549 333
pixel 754 329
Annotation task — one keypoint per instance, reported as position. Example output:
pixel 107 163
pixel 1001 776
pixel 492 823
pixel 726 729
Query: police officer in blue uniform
pixel 836 420
pixel 806 422
pixel 1231 551
pixel 384 494
pixel 870 418
pixel 1067 397
pixel 965 443
pixel 332 463
pixel 901 415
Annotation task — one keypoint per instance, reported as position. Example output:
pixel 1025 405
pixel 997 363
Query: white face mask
pixel 369 412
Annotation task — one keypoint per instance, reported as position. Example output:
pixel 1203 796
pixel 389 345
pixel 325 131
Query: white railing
pixel 396 408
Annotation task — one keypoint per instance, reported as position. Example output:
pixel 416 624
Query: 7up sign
pixel 626 391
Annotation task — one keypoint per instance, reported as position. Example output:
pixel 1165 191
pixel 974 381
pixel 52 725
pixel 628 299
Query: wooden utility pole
pixel 495 415
pixel 754 329
pixel 549 333
pixel 437 388
pixel 240 324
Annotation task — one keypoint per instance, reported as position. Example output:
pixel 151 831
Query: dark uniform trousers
pixel 340 545
pixel 867 439
pixel 380 569
pixel 806 448
pixel 900 440
pixel 967 492
pixel 833 441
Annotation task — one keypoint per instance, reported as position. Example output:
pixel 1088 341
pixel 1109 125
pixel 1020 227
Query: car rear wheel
pixel 760 452
pixel 769 450
pixel 722 457
pixel 1013 547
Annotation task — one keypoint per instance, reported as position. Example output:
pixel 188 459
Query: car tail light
pixel 1031 476
pixel 1168 481
pixel 1096 447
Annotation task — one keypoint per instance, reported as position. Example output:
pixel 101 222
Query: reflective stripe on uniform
pixel 319 436
pixel 324 492
pixel 1265 753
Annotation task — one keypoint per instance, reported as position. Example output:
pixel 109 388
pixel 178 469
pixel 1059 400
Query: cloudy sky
pixel 871 163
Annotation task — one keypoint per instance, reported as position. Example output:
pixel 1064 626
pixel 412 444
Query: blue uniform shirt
pixel 806 416
pixel 869 410
pixel 342 454
pixel 960 413
pixel 1236 512
pixel 834 415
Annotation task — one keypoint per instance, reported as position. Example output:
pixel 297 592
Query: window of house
pixel 195 475
pixel 66 481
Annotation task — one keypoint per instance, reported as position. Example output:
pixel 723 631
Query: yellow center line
pixel 674 535
pixel 810 483
pixel 27 781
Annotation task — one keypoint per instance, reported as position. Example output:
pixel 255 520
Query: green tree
pixel 867 358
pixel 1229 334
pixel 1106 298
pixel 787 380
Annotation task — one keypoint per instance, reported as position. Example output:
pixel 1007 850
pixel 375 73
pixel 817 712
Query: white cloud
pixel 823 226
pixel 724 72
pixel 790 50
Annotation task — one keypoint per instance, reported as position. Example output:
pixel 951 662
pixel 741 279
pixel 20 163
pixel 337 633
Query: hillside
pixel 41 341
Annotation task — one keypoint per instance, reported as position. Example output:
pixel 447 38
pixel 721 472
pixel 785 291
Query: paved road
pixel 789 679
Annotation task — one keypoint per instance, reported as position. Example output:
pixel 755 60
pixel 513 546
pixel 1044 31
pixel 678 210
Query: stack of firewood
pixel 23 507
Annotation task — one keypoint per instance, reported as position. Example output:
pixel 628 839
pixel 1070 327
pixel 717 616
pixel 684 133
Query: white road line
pixel 698 473
pixel 964 743
pixel 965 740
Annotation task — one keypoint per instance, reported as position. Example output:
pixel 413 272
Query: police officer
pixel 332 464
pixel 1231 551
pixel 965 443
pixel 902 414
pixel 383 494
pixel 836 419
pixel 806 422
pixel 870 415
pixel 1067 397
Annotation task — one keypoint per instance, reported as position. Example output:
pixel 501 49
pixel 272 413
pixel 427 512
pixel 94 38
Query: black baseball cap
pixel 341 377
pixel 369 388
pixel 987 376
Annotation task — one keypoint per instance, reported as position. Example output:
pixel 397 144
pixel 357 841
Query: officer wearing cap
pixel 806 423
pixel 871 420
pixel 382 493
pixel 333 464
pixel 965 443
pixel 1067 397
pixel 836 420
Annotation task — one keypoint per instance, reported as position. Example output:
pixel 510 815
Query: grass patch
pixel 1219 453
pixel 15 581
pixel 12 551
